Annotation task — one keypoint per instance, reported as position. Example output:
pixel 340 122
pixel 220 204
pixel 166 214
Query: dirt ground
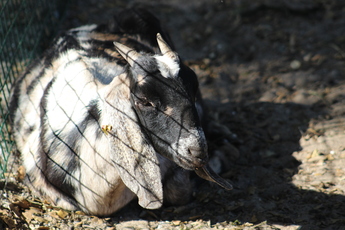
pixel 272 74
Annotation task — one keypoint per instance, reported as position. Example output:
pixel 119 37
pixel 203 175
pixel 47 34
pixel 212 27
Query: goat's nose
pixel 199 155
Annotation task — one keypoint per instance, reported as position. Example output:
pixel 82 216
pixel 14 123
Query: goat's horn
pixel 130 55
pixel 165 48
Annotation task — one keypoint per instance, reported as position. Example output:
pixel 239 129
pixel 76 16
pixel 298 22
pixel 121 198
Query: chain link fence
pixel 26 27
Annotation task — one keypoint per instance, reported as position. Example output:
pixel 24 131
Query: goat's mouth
pixel 191 163
pixel 207 173
pixel 203 170
pixel 188 158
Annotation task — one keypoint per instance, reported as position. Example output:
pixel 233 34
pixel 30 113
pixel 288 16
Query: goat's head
pixel 163 95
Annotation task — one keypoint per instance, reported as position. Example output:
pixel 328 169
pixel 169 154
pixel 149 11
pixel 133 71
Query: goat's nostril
pixel 196 152
pixel 199 155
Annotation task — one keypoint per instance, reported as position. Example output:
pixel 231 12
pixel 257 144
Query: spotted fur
pixel 85 82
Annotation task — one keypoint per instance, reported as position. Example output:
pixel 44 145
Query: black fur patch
pixel 67 42
pixel 17 93
pixel 94 112
pixel 93 116
pixel 99 73
pixel 57 174
pixel 35 81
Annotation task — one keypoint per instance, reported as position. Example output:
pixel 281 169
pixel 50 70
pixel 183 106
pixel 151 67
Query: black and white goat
pixel 107 115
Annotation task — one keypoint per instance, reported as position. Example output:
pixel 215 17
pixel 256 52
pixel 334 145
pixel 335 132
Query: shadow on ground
pixel 266 135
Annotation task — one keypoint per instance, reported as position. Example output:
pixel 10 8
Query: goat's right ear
pixel 130 55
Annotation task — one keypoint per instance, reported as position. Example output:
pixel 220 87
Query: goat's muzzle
pixel 199 157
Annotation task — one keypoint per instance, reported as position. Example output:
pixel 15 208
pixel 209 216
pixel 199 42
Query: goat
pixel 108 114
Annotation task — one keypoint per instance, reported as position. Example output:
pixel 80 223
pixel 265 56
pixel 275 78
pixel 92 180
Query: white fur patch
pixel 169 111
pixel 84 35
pixel 195 139
pixel 167 66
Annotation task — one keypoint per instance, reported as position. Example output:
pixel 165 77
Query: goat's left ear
pixel 130 55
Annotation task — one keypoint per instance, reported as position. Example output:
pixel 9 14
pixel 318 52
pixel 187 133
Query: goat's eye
pixel 145 103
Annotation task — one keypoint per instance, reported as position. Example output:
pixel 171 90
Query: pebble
pixel 268 96
pixel 135 224
pixel 295 64
pixel 305 98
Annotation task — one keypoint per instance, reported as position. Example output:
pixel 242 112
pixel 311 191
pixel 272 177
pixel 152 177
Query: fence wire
pixel 25 29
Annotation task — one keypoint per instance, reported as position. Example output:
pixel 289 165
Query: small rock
pixel 305 98
pixel 215 163
pixel 176 222
pixel 135 224
pixel 290 227
pixel 307 57
pixel 62 214
pixel 268 96
pixel 295 64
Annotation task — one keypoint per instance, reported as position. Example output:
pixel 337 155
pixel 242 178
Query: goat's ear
pixel 141 174
pixel 165 48
pixel 130 55
pixel 134 158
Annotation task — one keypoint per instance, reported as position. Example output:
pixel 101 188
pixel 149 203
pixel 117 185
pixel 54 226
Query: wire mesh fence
pixel 25 29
